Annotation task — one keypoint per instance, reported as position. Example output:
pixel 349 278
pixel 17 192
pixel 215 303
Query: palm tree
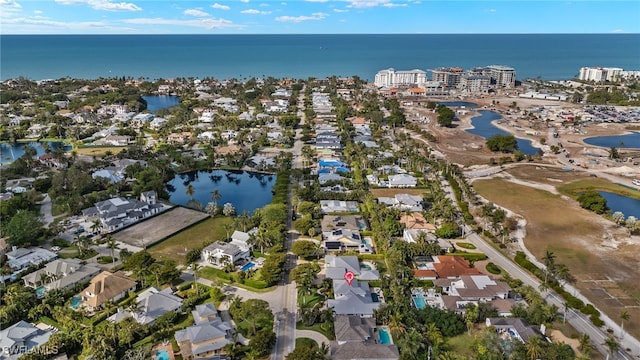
pixel 549 259
pixel 195 267
pixel 585 346
pixel 624 316
pixel 396 325
pixel 433 334
pixel 612 345
pixel 533 347
pixel 112 244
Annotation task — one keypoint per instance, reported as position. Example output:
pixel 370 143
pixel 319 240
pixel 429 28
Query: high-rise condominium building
pixel 391 77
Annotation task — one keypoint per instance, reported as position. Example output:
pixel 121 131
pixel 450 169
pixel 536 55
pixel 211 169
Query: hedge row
pixel 281 188
pixel 470 256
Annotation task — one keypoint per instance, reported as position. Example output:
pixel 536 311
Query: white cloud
pixel 9 8
pixel 390 5
pixel 492 10
pixel 314 16
pixel 244 1
pixel 220 6
pixel 370 3
pixel 255 12
pixel 103 5
pixel 37 12
pixel 340 10
pixel 209 23
pixel 283 3
pixel 196 12
pixel 320 1
pixel 80 25
pixel 618 31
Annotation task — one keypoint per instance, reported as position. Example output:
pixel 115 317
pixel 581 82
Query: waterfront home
pixel 338 206
pixel 207 336
pixel 106 286
pixel 157 123
pixel 52 161
pixel 60 274
pixel 402 181
pixel 150 305
pixel 220 253
pixel 337 266
pixel 116 213
pixel 353 299
pixel 260 162
pixel 21 338
pixel 113 140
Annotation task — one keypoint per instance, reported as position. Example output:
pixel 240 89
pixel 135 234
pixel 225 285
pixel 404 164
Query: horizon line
pixel 268 34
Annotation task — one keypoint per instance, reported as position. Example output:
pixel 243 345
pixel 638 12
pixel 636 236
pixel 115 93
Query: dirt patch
pixel 159 227
pixel 601 255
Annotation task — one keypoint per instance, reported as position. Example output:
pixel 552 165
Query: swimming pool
pixel 384 337
pixel 75 302
pixel 248 266
pixel 162 355
pixel 40 291
pixel 419 301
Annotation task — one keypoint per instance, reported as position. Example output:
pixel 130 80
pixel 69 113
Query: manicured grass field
pixel 177 246
pixel 573 189
pixel 302 342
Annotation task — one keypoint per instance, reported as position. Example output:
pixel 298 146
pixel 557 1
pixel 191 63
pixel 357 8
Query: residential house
pixel 338 206
pixel 119 212
pixel 106 286
pixel 157 123
pixel 349 222
pixel 343 239
pixel 52 161
pixel 404 202
pixel 413 235
pixel 364 351
pixel 446 267
pixel 110 174
pixel 21 338
pixel 113 140
pixel 356 339
pixel 207 336
pixel 260 162
pixel 281 93
pixel 327 177
pixel 471 289
pixel 60 274
pixel 207 116
pixel 328 140
pixel 337 266
pixel 179 138
pixel 402 181
pixel 19 259
pixel 238 250
pixel 151 304
pixel 354 299
pixel 416 221
pixel 517 328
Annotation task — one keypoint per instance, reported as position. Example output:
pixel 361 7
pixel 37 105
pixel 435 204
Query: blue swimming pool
pixel 248 266
pixel 419 302
pixel 162 355
pixel 75 302
pixel 40 291
pixel 384 337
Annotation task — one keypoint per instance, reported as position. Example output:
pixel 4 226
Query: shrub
pixel 465 245
pixel 596 320
pixel 60 242
pixel 493 268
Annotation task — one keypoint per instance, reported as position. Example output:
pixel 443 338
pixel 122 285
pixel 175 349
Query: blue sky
pixel 316 16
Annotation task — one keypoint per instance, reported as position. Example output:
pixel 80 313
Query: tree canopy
pixel 502 143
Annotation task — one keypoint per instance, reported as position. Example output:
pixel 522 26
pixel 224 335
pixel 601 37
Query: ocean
pixel 550 57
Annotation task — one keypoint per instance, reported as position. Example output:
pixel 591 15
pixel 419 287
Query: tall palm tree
pixel 396 325
pixel 549 260
pixel 585 346
pixel 624 316
pixel 112 244
pixel 612 345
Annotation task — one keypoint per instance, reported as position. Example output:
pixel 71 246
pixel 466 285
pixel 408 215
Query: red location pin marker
pixel 349 276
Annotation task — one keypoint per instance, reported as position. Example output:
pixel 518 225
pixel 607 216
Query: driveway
pixel 314 335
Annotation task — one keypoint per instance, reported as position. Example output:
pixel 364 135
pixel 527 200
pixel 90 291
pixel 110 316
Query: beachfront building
pixel 474 84
pixel 448 77
pixel 391 77
pixel 600 74
pixel 502 76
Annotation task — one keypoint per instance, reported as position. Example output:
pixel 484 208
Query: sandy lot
pixel 159 227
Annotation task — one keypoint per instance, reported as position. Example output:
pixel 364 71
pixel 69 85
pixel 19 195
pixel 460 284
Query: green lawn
pixel 310 299
pixel 302 342
pixel 460 344
pixel 194 237
pixel 316 327
pixel 574 189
